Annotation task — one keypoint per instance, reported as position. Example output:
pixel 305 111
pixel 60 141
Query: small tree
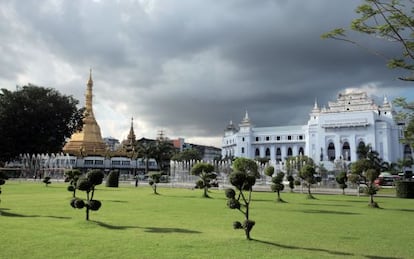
pixel 243 178
pixel 277 181
pixel 291 181
pixel 341 179
pixel 307 173
pixel 154 180
pixel 205 172
pixel 47 181
pixel 88 184
pixel 367 175
pixel 277 185
pixel 72 177
pixel 113 179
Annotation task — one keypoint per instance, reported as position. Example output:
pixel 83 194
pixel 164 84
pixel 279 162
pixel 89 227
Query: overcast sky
pixel 188 67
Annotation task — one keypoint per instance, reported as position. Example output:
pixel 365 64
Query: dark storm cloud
pixel 191 66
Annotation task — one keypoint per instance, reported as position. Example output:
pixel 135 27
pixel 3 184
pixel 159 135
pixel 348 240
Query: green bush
pixel 113 179
pixel 404 189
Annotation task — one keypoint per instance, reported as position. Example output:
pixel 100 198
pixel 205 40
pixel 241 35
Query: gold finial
pixel 90 81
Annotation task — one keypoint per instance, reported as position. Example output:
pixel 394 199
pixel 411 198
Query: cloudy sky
pixel 188 67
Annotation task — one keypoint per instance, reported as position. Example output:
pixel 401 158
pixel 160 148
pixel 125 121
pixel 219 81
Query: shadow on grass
pixel 321 204
pixel 147 229
pixel 312 249
pixel 303 248
pixel 329 212
pixel 4 213
pixel 404 210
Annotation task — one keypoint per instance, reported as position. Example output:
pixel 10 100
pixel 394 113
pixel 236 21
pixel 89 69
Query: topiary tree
pixel 47 181
pixel 307 173
pixel 291 181
pixel 88 184
pixel 205 172
pixel 277 181
pixel 154 179
pixel 72 177
pixel 367 169
pixel 277 185
pixel 341 179
pixel 242 178
pixel 113 179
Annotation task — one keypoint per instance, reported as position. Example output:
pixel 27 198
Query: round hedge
pixel 71 188
pixel 113 179
pixel 230 193
pixel 94 204
pixel 233 204
pixel 79 204
pixel 404 189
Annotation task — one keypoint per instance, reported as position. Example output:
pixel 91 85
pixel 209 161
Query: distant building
pixel 112 143
pixel 331 134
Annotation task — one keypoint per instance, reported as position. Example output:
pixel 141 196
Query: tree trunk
pixel 205 192
pixel 247 231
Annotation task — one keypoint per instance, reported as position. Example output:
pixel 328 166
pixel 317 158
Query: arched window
pixel 331 151
pixel 278 155
pixel 267 152
pixel 257 152
pixel 289 152
pixel 301 151
pixel 346 151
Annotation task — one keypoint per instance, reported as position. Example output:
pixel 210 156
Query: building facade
pixel 331 134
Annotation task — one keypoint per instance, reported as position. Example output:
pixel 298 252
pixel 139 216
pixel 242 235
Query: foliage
pixel 404 189
pixel 242 178
pixel 160 150
pixel 88 184
pixel 36 120
pixel 187 155
pixel 205 172
pixel 291 181
pixel 269 171
pixel 113 179
pixel 406 115
pixel 388 20
pixel 154 179
pixel 47 181
pixel 72 177
pixel 367 169
pixel 277 185
pixel 341 179
pixel 307 173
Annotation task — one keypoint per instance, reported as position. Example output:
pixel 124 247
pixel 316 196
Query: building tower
pixel 88 141
pixel 129 143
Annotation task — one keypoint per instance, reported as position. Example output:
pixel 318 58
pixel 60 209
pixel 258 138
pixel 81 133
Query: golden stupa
pixel 88 141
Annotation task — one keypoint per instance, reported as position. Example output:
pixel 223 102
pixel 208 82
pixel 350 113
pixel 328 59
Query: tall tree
pixel 387 20
pixel 35 119
pixel 187 155
pixel 242 178
pixel 162 153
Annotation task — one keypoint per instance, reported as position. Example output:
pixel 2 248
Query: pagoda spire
pixel 131 134
pixel 88 95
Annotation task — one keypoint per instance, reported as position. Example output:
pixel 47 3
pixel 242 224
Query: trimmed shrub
pixel 404 189
pixel 94 204
pixel 113 179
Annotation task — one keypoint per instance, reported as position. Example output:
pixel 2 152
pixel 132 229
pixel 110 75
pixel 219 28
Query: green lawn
pixel 38 222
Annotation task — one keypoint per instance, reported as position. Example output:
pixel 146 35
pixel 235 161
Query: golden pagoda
pixel 88 141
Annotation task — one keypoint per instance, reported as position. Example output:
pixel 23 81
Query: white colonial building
pixel 331 134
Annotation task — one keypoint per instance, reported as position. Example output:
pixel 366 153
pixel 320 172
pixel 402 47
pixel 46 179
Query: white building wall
pixel 351 119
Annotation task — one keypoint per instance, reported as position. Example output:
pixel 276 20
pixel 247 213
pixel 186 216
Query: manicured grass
pixel 38 222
